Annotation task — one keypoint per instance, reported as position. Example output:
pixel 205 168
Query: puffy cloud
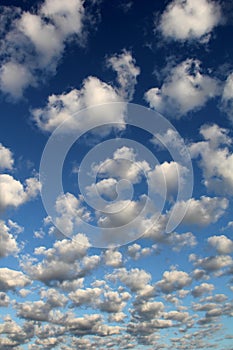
pixel 62 261
pixel 69 213
pixel 127 72
pixel 6 158
pixel 227 97
pixel 65 107
pixel 185 89
pixel 112 258
pixel 203 211
pixel 216 159
pixel 8 242
pixel 173 280
pixel 172 173
pixel 212 263
pixel 11 279
pixel 4 299
pixel 14 194
pixel 85 296
pixel 114 302
pixel 123 165
pixel 135 251
pixel 135 279
pixel 222 244
pixel 27 41
pixel 190 19
pixel 148 310
pixel 198 291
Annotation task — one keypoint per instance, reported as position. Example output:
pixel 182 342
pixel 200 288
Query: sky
pixel 116 174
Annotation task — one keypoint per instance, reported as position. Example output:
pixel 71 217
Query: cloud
pixel 204 288
pixel 173 280
pixel 36 42
pixel 11 279
pixel 215 158
pixel 135 279
pixel 127 71
pixel 212 263
pixel 222 244
pixel 113 258
pixel 203 211
pixel 190 19
pixel 64 107
pixel 185 89
pixel 6 158
pixel 9 244
pixel 13 193
pixel 227 97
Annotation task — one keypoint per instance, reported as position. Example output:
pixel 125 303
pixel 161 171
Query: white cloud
pixel 8 244
pixel 212 263
pixel 203 211
pixel 64 107
pixel 190 19
pixel 204 288
pixel 167 176
pixel 222 244
pixel 6 158
pixel 185 89
pixel 216 158
pixel 14 78
pixel 227 97
pixel 127 72
pixel 11 279
pixel 13 193
pixel 135 279
pixel 69 213
pixel 173 280
pixel 113 258
pixel 38 40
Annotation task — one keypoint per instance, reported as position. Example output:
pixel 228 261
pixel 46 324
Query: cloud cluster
pixel 36 42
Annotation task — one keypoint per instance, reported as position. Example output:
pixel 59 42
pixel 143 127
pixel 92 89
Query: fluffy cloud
pixel 65 107
pixel 127 71
pixel 173 280
pixel 14 194
pixel 190 19
pixel 222 244
pixel 212 263
pixel 11 279
pixel 27 41
pixel 216 159
pixel 203 211
pixel 6 158
pixel 112 258
pixel 227 97
pixel 135 279
pixel 198 291
pixel 8 242
pixel 185 89
pixel 69 213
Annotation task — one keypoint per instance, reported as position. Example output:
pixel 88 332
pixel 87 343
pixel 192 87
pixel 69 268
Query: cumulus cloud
pixel 185 89
pixel 203 211
pixel 127 71
pixel 204 288
pixel 36 42
pixel 11 279
pixel 135 279
pixel 222 244
pixel 6 158
pixel 13 193
pixel 9 244
pixel 215 158
pixel 190 19
pixel 113 258
pixel 227 97
pixel 173 280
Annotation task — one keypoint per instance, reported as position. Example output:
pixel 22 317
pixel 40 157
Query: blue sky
pixel 116 174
